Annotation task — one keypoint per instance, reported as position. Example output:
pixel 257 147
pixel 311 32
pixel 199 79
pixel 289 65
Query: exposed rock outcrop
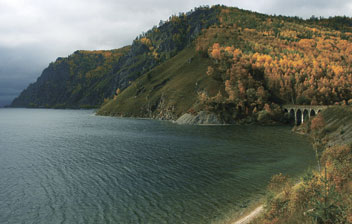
pixel 202 118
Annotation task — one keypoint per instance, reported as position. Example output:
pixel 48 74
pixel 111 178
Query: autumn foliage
pixel 317 123
pixel 272 60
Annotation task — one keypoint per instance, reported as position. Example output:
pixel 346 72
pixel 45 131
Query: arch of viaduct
pixel 302 112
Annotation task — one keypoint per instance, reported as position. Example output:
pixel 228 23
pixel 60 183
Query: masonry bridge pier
pixel 301 113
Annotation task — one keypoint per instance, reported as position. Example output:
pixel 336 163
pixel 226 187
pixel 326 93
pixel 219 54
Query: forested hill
pixel 233 63
pixel 245 67
pixel 82 79
pixel 86 78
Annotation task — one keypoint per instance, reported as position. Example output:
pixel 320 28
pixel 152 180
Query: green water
pixel 69 166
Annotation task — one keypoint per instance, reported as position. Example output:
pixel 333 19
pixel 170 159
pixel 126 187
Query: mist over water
pixel 69 166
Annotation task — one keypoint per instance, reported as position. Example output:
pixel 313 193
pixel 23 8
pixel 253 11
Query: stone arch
pixel 299 117
pixel 292 115
pixel 286 114
pixel 312 113
pixel 305 115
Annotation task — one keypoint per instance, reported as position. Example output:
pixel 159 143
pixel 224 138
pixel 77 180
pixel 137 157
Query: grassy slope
pixel 170 87
pixel 338 128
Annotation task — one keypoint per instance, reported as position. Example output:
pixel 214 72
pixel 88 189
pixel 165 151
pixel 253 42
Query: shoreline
pixel 257 211
pixel 252 215
pixel 335 130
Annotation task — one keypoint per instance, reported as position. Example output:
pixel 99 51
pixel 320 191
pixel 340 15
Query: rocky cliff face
pixel 201 118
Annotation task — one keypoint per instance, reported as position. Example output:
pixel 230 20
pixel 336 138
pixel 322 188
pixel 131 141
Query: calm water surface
pixel 66 166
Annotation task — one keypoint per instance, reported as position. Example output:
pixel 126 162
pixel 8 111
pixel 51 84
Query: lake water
pixel 69 166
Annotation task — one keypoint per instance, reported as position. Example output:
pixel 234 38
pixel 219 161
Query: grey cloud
pixel 35 32
pixel 9 89
pixel 306 9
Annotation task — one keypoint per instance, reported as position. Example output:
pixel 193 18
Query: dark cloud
pixel 18 68
pixel 9 90
pixel 36 32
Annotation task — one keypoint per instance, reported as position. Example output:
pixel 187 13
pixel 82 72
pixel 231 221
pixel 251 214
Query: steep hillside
pixel 81 80
pixel 167 91
pixel 68 82
pixel 337 126
pixel 258 63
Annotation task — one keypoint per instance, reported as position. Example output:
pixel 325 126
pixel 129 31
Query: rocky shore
pixel 201 118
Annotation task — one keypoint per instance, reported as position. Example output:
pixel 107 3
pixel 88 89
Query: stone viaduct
pixel 302 113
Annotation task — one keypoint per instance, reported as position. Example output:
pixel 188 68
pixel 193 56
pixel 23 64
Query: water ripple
pixel 64 166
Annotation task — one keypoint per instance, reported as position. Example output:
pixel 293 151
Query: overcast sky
pixel 34 33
